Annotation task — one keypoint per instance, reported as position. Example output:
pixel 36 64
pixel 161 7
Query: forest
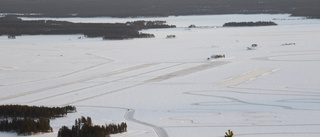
pixel 243 24
pixel 135 8
pixel 13 26
pixel 26 126
pixel 21 111
pixel 29 120
pixel 84 127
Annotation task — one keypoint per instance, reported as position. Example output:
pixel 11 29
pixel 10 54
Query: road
pixel 159 131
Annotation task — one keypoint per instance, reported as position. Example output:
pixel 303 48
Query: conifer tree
pixel 229 133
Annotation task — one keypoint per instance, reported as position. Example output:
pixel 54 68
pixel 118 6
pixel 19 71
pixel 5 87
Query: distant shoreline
pixel 13 26
pixel 147 8
pixel 245 24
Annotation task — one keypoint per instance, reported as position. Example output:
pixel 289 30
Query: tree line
pixel 242 24
pixel 13 26
pixel 83 127
pixel 142 24
pixel 34 111
pixel 26 126
pixel 29 120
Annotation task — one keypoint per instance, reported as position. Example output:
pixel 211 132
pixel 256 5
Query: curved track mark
pixel 159 131
pixel 240 101
pixel 268 58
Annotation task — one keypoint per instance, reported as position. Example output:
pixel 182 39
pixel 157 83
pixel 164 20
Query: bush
pixel 229 133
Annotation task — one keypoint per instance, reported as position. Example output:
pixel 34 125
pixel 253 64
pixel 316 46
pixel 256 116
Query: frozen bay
pixel 167 87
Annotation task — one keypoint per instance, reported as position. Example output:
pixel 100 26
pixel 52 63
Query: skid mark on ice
pixel 211 111
pixel 270 58
pixel 245 77
pixel 68 74
pixel 299 51
pixel 104 83
pixel 293 97
pixel 179 73
pixel 99 95
pixel 187 119
pixel 75 81
pixel 303 89
pixel 302 100
pixel 277 91
pixel 186 71
pixel 278 133
pixel 235 100
pixel 249 119
pixel 245 125
pixel 261 118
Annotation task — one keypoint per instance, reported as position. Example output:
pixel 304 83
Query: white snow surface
pixel 167 87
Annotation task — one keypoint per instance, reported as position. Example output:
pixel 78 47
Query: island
pixel 13 26
pixel 30 120
pixel 246 24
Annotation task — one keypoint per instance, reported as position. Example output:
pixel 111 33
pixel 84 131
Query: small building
pixel 253 47
pixel 192 26
pixel 217 56
pixel 171 36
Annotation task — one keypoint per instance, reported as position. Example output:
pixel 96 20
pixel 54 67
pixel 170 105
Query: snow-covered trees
pixel 28 120
pixel 84 127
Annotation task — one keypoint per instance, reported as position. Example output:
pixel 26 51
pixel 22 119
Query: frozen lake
pixel 167 87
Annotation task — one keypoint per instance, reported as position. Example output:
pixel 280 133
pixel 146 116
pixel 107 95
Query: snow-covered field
pixel 167 87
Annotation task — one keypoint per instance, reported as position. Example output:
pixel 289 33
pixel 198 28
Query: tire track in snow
pixel 235 100
pixel 244 125
pixel 71 73
pixel 100 84
pixel 159 131
pixel 302 92
pixel 248 76
pixel 187 71
pixel 269 58
pixel 99 95
pixel 280 133
pixel 76 81
pixel 179 73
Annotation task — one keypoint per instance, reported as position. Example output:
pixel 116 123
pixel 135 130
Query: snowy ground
pixel 167 87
